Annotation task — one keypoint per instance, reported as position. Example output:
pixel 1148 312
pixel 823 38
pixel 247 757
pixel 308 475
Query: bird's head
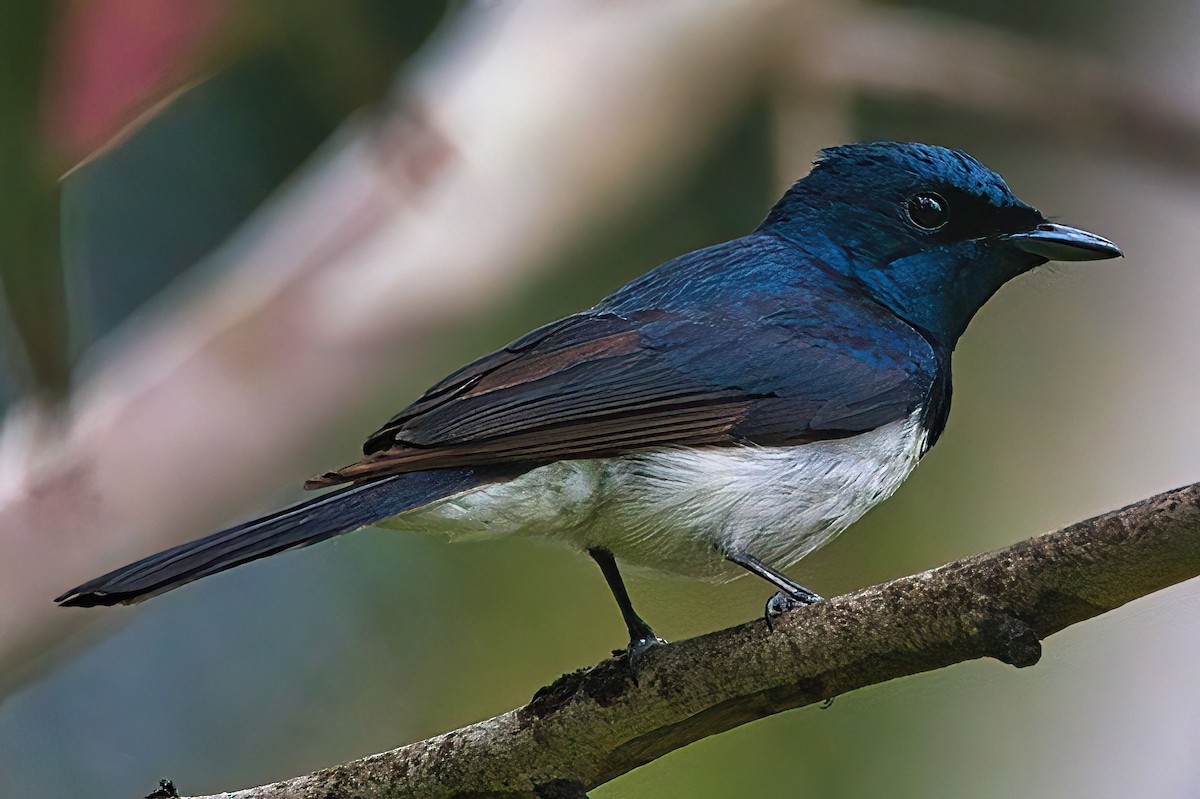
pixel 929 232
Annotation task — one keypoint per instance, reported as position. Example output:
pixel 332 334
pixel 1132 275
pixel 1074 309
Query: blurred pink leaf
pixel 110 61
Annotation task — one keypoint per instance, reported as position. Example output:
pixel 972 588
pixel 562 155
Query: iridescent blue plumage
pixel 818 359
pixel 850 214
pixel 739 404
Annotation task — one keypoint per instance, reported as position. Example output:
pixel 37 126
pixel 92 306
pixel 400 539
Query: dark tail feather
pixel 309 522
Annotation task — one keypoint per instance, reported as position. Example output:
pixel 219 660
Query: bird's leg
pixel 791 594
pixel 641 637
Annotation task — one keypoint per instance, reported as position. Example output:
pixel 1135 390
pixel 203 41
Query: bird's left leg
pixel 641 637
pixel 791 594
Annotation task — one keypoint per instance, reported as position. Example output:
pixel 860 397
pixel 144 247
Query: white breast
pixel 678 510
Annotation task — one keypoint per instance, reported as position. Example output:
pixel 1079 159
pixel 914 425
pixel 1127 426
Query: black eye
pixel 927 210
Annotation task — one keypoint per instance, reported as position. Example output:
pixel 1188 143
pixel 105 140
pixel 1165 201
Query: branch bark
pixel 595 724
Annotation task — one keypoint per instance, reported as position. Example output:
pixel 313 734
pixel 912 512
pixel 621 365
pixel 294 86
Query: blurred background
pixel 235 237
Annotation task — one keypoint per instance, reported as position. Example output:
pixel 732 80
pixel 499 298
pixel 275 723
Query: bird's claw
pixel 637 648
pixel 781 603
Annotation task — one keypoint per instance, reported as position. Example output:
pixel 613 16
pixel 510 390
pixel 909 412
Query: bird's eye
pixel 927 210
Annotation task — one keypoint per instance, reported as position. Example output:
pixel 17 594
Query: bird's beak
pixel 1062 243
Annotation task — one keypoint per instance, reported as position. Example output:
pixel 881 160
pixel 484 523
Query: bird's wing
pixel 600 384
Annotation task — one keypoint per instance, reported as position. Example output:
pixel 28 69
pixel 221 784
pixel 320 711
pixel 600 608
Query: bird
pixel 729 411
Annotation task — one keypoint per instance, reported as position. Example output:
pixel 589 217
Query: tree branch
pixel 593 725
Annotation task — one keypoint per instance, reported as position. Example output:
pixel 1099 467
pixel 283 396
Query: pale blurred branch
pixel 592 726
pixel 1044 86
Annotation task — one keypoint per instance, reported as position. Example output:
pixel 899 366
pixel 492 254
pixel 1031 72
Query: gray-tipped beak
pixel 1062 243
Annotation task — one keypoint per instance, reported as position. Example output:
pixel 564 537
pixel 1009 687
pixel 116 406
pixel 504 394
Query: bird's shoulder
pixel 763 294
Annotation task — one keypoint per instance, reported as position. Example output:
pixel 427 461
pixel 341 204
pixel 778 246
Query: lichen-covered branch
pixel 596 724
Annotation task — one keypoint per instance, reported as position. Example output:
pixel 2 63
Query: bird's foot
pixel 783 602
pixel 638 647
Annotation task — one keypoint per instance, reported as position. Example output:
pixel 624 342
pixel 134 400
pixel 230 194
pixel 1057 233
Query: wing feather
pixel 600 384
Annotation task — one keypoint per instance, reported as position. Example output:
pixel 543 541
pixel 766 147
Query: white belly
pixel 679 510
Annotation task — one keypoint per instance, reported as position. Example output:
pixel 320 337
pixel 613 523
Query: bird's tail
pixel 330 514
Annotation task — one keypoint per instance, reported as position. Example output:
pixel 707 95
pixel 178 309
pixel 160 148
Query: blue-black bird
pixel 738 406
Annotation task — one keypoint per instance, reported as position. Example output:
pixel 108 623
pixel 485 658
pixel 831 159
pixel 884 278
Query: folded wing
pixel 600 384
